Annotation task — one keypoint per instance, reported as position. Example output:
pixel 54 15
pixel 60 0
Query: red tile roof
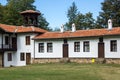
pixel 20 29
pixel 30 11
pixel 7 28
pixel 79 33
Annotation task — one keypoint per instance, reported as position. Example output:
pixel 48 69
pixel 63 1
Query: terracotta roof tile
pixel 21 29
pixel 79 33
pixel 30 11
pixel 7 28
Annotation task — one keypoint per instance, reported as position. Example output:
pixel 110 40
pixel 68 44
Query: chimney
pixel 62 28
pixel 73 27
pixel 109 24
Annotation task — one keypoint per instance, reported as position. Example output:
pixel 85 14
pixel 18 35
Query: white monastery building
pixel 22 45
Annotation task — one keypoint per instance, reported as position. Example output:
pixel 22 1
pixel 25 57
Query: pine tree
pixel 82 21
pixel 71 15
pixel 110 10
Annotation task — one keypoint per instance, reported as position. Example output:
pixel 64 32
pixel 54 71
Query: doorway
pixel 100 50
pixel 65 50
pixel 28 58
pixel 1 60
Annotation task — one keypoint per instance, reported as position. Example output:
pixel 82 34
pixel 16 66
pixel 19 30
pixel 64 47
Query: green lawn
pixel 62 71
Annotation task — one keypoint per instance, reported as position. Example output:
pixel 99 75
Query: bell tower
pixel 30 17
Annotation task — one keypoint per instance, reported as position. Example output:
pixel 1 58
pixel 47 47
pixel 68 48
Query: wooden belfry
pixel 30 17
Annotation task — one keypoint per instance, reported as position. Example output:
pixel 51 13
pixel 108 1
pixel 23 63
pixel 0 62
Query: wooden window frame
pixel 50 47
pixel 22 56
pixel 41 47
pixel 86 46
pixel 27 39
pixel 76 46
pixel 9 55
pixel 113 45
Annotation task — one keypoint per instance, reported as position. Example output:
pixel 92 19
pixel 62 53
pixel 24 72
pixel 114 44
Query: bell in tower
pixel 30 17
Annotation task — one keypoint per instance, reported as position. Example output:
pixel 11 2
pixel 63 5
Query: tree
pixel 110 10
pixel 71 15
pixel 81 21
pixel 42 23
pixel 85 21
pixel 1 12
pixel 11 14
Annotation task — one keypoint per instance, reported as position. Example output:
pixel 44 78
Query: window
pixel 41 47
pixel 9 56
pixel 22 56
pixel 113 46
pixel 76 46
pixel 86 46
pixel 6 40
pixel 27 40
pixel 49 47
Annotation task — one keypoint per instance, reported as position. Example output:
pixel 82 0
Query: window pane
pixel 86 46
pixel 22 56
pixel 113 46
pixel 49 47
pixel 77 47
pixel 41 47
pixel 9 56
pixel 27 40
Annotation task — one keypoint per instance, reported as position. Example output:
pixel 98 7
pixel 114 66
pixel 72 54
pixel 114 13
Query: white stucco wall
pixel 57 49
pixel 93 53
pixel 21 48
pixel 10 63
pixel 108 53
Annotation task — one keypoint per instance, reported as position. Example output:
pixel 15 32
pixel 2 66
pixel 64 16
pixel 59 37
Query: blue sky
pixel 55 11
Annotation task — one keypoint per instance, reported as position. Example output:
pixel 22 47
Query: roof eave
pixel 76 37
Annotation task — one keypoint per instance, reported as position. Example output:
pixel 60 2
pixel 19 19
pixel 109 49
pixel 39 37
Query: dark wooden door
pixel 65 50
pixel 28 58
pixel 101 50
pixel 1 59
pixel 14 42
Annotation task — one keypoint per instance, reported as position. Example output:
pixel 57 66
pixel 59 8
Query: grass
pixel 62 71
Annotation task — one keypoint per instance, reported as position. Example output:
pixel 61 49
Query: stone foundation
pixel 76 60
pixel 62 60
pixel 46 60
pixel 81 60
pixel 112 61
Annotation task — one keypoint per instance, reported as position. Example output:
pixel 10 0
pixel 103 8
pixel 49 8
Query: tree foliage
pixel 110 10
pixel 82 21
pixel 11 13
pixel 71 14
